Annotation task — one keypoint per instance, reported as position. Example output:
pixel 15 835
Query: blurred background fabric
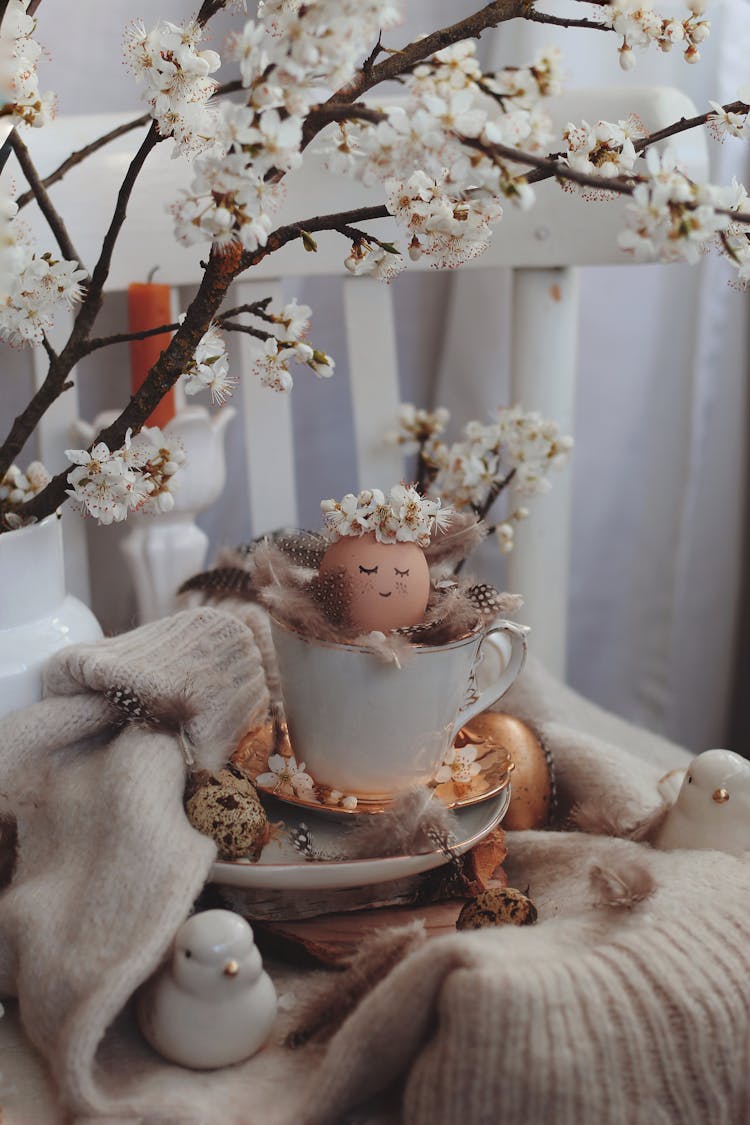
pixel 660 463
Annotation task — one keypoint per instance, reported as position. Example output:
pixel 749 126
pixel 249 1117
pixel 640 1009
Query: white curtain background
pixel 661 426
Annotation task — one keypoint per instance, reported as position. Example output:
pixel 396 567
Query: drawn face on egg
pixel 389 583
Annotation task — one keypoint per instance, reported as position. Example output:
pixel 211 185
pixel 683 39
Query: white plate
pixel 280 867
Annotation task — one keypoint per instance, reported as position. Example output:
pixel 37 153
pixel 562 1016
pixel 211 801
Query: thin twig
pixel 46 206
pixel 562 21
pixel 686 123
pixel 258 333
pixel 81 154
pixel 255 308
pixel 125 337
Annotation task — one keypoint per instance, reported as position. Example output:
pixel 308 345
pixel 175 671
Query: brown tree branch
pixel 87 313
pixel 98 342
pixel 24 424
pixel 208 9
pixel 81 154
pixel 46 206
pixel 325 112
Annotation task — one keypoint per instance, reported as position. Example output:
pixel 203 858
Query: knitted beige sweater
pixel 595 1016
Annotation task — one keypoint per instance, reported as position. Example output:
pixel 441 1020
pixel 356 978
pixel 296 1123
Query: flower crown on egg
pixel 403 516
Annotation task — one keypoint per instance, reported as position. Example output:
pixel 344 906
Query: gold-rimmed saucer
pixel 494 761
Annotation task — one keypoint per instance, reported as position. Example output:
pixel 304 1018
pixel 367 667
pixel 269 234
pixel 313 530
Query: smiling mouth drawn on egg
pixel 385 595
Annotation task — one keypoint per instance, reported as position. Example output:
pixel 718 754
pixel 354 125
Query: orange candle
pixel 149 306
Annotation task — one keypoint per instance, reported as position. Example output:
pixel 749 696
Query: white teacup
pixel 371 729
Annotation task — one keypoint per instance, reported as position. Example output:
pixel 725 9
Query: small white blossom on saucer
pixel 459 765
pixel 287 776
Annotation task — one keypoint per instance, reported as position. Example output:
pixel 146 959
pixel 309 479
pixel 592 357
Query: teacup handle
pixel 510 640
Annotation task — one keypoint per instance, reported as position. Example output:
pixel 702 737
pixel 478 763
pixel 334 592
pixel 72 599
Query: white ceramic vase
pixel 37 616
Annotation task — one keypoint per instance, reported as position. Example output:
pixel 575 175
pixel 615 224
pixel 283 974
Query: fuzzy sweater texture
pixel 594 1015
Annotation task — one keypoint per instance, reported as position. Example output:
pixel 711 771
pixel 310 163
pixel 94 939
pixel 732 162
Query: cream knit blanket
pixel 594 1016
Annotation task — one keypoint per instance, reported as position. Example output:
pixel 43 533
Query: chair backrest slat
pixel 373 376
pixel 56 432
pixel 269 439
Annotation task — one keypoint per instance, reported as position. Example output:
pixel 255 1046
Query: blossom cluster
pixel 402 516
pixel 417 426
pixel 605 149
pixel 109 484
pixel 208 370
pixel 517 450
pixel 286 342
pixel 288 59
pixel 731 123
pixel 450 228
pixel 640 26
pixel 32 285
pixel 177 80
pixel 20 98
pixel 16 487
pixel 433 153
pixel 672 218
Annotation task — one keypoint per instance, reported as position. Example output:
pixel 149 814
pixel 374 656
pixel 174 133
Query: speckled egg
pixel 225 806
pixel 388 584
pixel 499 906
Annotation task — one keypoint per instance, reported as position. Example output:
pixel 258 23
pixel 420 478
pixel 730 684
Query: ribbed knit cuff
pixel 202 661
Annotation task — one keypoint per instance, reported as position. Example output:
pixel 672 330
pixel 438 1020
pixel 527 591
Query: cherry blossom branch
pixel 46 206
pixel 397 63
pixel 60 368
pixel 81 154
pixel 221 270
pixel 686 123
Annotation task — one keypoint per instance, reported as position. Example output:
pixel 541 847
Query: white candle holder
pixel 162 551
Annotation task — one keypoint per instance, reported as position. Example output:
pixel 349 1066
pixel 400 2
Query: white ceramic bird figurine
pixel 712 809
pixel 212 1004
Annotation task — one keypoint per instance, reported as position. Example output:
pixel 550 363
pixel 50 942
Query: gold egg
pixel 532 782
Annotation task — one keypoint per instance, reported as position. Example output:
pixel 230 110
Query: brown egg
pixel 388 583
pixel 531 781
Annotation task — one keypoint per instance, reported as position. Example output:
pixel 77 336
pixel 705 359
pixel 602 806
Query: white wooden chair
pixel 543 247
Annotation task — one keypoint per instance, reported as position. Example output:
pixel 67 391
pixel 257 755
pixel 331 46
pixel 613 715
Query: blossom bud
pixel 692 55
pixel 627 58
pixel 700 32
pixel 415 249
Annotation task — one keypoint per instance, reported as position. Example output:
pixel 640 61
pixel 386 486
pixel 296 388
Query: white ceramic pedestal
pixel 37 616
pixel 163 551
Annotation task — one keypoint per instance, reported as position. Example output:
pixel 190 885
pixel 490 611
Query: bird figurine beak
pixel 231 969
pixel 720 795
